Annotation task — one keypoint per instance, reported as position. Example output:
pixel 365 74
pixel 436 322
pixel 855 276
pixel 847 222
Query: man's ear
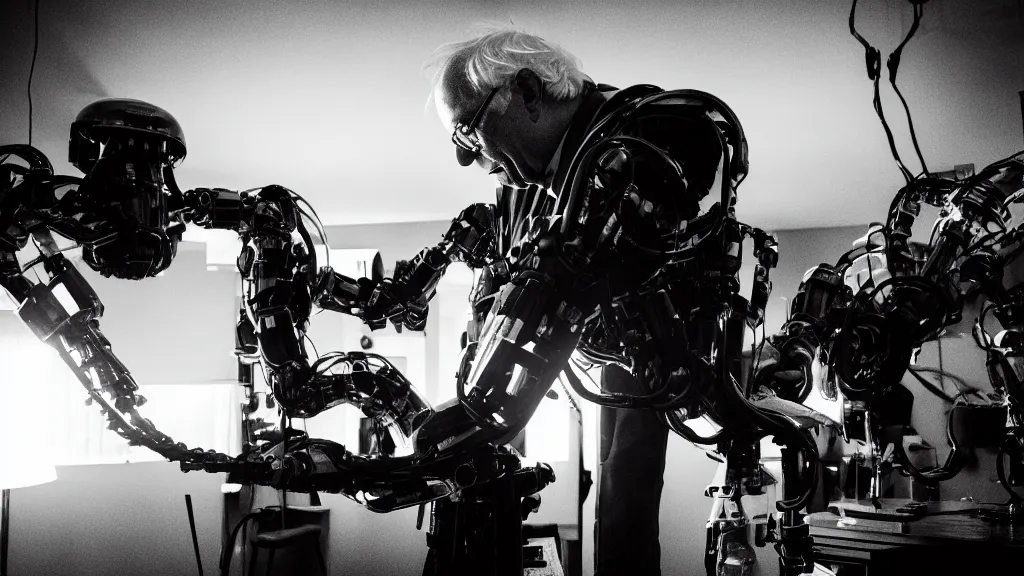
pixel 531 88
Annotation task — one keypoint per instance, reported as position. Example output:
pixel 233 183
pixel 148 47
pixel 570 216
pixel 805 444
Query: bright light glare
pixel 547 433
pixel 23 364
pixel 24 387
pixel 230 488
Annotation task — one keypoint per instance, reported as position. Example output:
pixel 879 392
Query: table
pixel 554 567
pixel 949 539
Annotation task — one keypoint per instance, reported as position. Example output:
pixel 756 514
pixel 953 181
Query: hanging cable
pixel 873 59
pixel 32 69
pixel 893 64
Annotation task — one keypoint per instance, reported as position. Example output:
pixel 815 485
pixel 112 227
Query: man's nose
pixel 465 157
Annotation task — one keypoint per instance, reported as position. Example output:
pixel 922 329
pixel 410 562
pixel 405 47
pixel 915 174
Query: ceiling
pixel 330 99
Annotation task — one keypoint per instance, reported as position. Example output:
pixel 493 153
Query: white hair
pixel 493 59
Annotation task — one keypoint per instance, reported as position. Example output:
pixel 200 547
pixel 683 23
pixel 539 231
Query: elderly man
pixel 520 108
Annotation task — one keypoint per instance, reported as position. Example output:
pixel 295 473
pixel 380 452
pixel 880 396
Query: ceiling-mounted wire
pixel 893 64
pixel 873 59
pixel 32 70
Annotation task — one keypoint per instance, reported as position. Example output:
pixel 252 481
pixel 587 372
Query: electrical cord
pixel 873 60
pixel 1015 498
pixel 892 64
pixel 754 356
pixel 679 426
pixel 955 460
pixel 962 386
pixel 986 239
pixel 979 333
pixel 930 387
pixel 32 69
pixel 877 102
pixel 229 548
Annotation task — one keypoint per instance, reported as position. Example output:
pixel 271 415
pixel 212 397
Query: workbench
pixel 951 538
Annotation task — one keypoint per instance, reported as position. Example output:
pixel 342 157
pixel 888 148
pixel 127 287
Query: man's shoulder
pixel 680 126
pixel 650 99
pixel 656 114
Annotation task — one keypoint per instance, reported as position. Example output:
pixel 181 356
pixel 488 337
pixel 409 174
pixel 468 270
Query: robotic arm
pixel 281 278
pixel 127 215
pixel 913 291
pixel 123 215
pixel 404 299
pixel 278 267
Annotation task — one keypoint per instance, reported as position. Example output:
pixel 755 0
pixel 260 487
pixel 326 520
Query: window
pixel 45 399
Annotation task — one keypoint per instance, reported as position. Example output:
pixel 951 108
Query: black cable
pixel 32 70
pixel 930 387
pixel 982 338
pixel 1001 472
pixel 987 238
pixel 874 63
pixel 753 363
pixel 679 426
pixel 942 369
pixel 756 356
pixel 310 340
pixel 229 549
pixel 844 262
pixel 998 165
pixel 893 64
pixel 871 270
pixel 955 460
pixel 877 101
pixel 960 383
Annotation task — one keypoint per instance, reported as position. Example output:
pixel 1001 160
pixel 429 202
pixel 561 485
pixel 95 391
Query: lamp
pixel 24 461
pixel 20 470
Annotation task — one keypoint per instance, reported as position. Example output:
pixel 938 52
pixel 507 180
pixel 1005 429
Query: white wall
pixel 175 328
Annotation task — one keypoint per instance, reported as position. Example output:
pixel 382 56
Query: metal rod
pixel 192 526
pixel 5 528
pixel 284 453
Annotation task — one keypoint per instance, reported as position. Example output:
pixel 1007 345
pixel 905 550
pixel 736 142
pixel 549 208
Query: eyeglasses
pixel 464 135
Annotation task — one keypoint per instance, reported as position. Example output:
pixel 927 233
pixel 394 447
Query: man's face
pixel 495 133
